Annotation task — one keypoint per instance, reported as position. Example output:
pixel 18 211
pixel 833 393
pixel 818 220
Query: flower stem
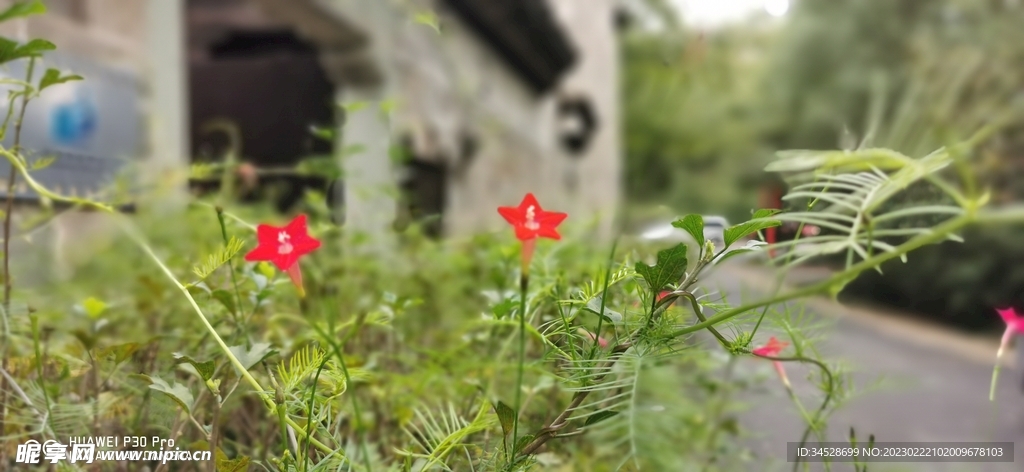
pixel 243 371
pixel 995 379
pixel 1007 335
pixel 236 313
pixel 524 284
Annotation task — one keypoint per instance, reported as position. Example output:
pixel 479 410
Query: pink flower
pixel 1014 322
pixel 1014 325
pixel 772 349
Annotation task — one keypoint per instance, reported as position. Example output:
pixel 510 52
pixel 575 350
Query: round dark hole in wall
pixel 577 124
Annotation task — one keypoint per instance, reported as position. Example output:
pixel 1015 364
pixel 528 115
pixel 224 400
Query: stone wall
pixel 452 85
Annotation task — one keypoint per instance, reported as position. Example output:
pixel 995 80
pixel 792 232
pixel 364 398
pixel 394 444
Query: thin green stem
pixel 812 424
pixel 604 298
pixel 8 215
pixel 938 234
pixel 995 379
pixel 231 266
pixel 356 413
pixel 524 284
pixel 309 413
pixel 243 371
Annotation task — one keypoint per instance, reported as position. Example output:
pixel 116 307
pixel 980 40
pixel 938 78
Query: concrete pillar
pixel 370 182
pixel 167 80
pixel 370 177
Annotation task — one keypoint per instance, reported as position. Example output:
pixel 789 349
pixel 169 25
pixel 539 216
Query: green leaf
pixel 611 316
pixel 671 267
pixel 760 221
pixel 522 442
pixel 504 308
pixel 23 9
pixel 238 464
pixel 120 352
pixel 693 224
pixel 250 357
pixel 94 307
pixel 204 369
pixel 765 213
pixel 751 246
pixel 219 258
pixel 265 270
pixel 53 77
pixel 506 416
pixel 428 18
pixel 36 47
pixel 43 162
pixel 734 252
pixel 599 417
pixel 225 298
pixel 178 392
pixel 7 48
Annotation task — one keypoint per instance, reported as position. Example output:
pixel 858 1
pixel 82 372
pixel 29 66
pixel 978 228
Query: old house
pixel 483 100
pixel 451 107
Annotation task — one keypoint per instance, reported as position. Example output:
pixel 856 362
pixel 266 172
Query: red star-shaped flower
pixel 1014 326
pixel 283 246
pixel 772 349
pixel 531 221
pixel 1014 322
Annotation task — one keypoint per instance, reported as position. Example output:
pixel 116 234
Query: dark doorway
pixel 424 192
pixel 258 90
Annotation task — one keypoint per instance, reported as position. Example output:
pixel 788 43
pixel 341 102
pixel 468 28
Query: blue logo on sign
pixel 74 121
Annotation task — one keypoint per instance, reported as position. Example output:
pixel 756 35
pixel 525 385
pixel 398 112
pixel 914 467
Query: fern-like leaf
pixel 850 203
pixel 299 367
pixel 439 434
pixel 219 258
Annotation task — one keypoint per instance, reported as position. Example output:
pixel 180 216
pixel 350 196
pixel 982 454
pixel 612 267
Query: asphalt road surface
pixel 915 385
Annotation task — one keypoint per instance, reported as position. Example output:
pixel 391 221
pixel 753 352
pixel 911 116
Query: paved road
pixel 919 387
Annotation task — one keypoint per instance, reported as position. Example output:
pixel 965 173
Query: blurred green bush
pixel 705 110
pixel 956 283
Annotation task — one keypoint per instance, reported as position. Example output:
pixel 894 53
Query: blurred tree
pixel 693 118
pixel 705 110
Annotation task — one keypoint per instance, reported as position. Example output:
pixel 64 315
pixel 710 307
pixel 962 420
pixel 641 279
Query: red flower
pixel 772 349
pixel 283 246
pixel 531 221
pixel 1014 326
pixel 663 294
pixel 1014 322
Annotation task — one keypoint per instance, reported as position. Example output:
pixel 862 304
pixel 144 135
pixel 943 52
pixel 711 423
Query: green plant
pixel 444 356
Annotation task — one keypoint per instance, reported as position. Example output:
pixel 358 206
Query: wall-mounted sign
pixel 92 127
